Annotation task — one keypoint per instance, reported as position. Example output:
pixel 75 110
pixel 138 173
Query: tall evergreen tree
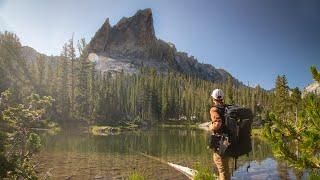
pixel 71 55
pixel 82 88
pixel 281 97
pixel 295 99
pixel 229 91
pixel 41 65
pixel 63 99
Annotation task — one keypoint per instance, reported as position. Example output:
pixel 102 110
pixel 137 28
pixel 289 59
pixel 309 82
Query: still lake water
pixel 70 155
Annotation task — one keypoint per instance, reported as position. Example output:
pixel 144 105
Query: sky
pixel 253 40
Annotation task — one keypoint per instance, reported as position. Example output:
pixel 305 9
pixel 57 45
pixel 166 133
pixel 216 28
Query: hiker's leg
pixel 225 161
pixel 222 166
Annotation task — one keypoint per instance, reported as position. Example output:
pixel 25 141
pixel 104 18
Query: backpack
pixel 235 137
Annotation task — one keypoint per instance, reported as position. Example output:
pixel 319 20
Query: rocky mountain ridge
pixel 311 88
pixel 132 43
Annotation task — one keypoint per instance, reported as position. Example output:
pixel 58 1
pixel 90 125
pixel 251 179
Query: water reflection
pixel 118 155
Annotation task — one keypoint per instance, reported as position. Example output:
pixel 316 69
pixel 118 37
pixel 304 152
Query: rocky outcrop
pixel 100 40
pixel 132 43
pixel 132 37
pixel 312 88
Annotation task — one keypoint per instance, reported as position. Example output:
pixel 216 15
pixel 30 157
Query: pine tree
pixel 229 91
pixel 295 99
pixel 298 143
pixel 315 73
pixel 281 97
pixel 71 55
pixel 41 65
pixel 63 98
pixel 51 76
pixel 82 86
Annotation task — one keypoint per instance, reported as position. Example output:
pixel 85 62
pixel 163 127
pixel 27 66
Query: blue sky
pixel 253 40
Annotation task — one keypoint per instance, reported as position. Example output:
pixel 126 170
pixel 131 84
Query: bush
pixel 34 142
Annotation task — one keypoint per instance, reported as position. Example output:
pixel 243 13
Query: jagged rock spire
pixel 100 39
pixel 133 40
pixel 132 36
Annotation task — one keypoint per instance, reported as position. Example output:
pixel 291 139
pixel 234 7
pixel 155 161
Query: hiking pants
pixel 222 166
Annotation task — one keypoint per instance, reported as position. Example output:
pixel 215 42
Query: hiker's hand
pixel 215 125
pixel 216 120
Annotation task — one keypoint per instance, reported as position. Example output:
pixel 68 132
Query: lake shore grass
pixel 257 132
pixel 204 173
pixel 173 123
pixel 164 125
pixel 136 176
pixel 103 130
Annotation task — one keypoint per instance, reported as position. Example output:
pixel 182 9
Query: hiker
pixel 218 128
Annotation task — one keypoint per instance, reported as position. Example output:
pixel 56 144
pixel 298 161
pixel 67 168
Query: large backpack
pixel 237 128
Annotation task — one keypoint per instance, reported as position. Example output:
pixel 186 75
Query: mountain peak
pixel 147 12
pixel 132 41
pixel 106 23
pixel 142 17
pixel 100 39
pixel 133 36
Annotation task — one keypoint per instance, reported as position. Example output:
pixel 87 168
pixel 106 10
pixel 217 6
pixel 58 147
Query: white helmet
pixel 217 94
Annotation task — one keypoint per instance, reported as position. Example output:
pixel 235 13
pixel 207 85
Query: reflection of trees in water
pixel 183 146
pixel 282 170
pixel 298 173
pixel 155 142
pixel 260 150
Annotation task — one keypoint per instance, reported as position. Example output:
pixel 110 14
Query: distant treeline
pixel 85 94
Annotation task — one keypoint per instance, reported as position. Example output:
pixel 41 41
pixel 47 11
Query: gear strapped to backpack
pixel 235 137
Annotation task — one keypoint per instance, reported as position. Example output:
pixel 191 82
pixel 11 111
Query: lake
pixel 70 155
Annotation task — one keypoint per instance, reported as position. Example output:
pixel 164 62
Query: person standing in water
pixel 218 128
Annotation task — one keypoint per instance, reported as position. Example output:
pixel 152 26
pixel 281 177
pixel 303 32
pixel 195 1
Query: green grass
pixel 204 173
pixel 178 125
pixel 257 132
pixel 102 130
pixel 136 176
pixel 314 175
